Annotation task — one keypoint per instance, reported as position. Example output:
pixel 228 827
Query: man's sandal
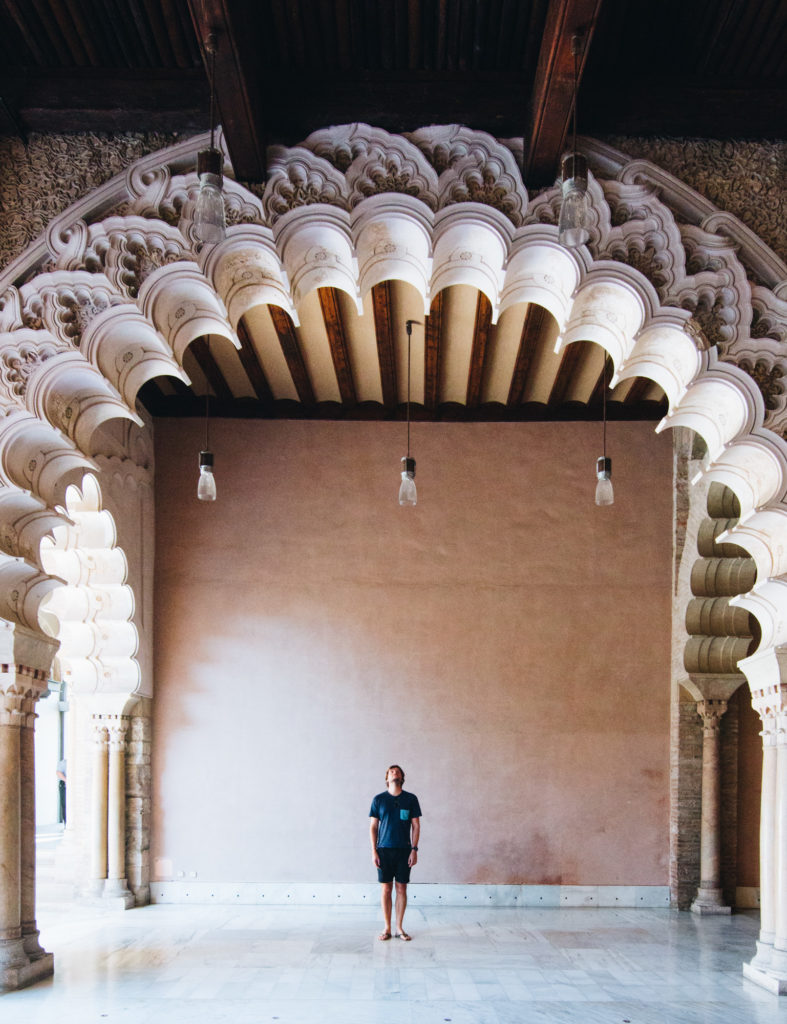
pixel 403 936
pixel 384 936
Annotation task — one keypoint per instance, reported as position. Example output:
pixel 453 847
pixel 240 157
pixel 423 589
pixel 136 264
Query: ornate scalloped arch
pixel 670 287
pixel 93 609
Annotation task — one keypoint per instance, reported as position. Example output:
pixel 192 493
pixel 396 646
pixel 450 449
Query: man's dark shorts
pixel 393 864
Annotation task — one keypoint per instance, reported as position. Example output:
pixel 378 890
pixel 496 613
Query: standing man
pixel 394 830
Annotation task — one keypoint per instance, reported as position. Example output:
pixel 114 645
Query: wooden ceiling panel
pixel 501 354
pixel 268 349
pixel 361 340
pixel 315 348
pixel 460 306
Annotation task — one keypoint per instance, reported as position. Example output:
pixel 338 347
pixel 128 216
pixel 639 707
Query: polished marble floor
pixel 253 965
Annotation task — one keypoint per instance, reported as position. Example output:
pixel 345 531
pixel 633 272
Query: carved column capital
pixel 117 728
pixel 711 712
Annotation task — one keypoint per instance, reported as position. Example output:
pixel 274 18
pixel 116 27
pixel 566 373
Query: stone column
pixel 769 967
pixel 98 860
pixel 116 884
pixel 22 960
pixel 768 859
pixel 30 931
pixel 12 952
pixel 709 898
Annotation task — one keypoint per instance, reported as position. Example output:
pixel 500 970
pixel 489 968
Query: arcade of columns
pixel 117 290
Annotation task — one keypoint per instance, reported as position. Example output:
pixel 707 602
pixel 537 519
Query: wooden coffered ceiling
pixel 284 68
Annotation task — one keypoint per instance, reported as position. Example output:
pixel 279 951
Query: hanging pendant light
pixel 407 492
pixel 206 485
pixel 575 205
pixel 210 222
pixel 604 492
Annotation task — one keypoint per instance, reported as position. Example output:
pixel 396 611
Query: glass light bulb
pixel 572 228
pixel 210 223
pixel 604 493
pixel 206 487
pixel 407 492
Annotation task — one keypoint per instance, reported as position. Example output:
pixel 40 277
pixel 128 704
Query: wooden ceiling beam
pixel 433 336
pixel 94 99
pixel 551 101
pixel 383 327
pixel 285 329
pixel 237 85
pixel 536 322
pixel 200 349
pixel 334 326
pixel 568 364
pixel 251 365
pixel 481 328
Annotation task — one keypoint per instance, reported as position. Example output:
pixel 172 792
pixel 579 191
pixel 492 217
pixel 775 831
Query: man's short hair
pixel 390 767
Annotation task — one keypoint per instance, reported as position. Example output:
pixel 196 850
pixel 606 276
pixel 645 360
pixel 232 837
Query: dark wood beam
pixel 94 99
pixel 727 112
pixel 475 377
pixel 251 365
pixel 536 322
pixel 383 327
pixel 288 340
pixel 568 364
pixel 329 304
pixel 200 349
pixel 238 92
pixel 433 333
pixel 637 391
pixel 552 96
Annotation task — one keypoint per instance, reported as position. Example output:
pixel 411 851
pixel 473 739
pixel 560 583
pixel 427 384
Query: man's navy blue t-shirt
pixel 395 814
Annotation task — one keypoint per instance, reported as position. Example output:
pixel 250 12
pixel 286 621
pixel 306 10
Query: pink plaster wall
pixel 506 641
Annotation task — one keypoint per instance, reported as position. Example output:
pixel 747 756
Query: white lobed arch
pixel 112 299
pixel 91 613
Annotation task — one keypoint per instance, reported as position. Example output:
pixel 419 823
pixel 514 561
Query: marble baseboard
pixel 428 895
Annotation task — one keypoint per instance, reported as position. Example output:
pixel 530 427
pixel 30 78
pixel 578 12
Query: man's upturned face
pixel 394 776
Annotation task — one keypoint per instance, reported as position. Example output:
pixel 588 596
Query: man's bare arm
pixel 415 835
pixel 374 825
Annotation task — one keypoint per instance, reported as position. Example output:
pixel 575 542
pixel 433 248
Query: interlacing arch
pixel 119 288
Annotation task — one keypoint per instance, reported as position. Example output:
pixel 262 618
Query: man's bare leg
pixel 386 901
pixel 401 906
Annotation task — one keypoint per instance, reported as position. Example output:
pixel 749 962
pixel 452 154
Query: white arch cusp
pixel 471 247
pixel 541 271
pixel 608 311
pixel 393 241
pixel 246 271
pixel 317 252
pixel 179 301
pixel 665 354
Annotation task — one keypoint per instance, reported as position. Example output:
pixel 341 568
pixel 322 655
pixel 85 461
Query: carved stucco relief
pixel 43 178
pixel 747 179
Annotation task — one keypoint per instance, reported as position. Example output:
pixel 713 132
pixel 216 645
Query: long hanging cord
pixel 211 48
pixel 604 404
pixel 575 50
pixel 409 336
pixel 207 411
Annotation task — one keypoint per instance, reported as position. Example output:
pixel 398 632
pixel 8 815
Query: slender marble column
pixel 768 895
pixel 99 808
pixel 116 884
pixel 12 952
pixel 769 966
pixel 778 963
pixel 30 931
pixel 709 898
